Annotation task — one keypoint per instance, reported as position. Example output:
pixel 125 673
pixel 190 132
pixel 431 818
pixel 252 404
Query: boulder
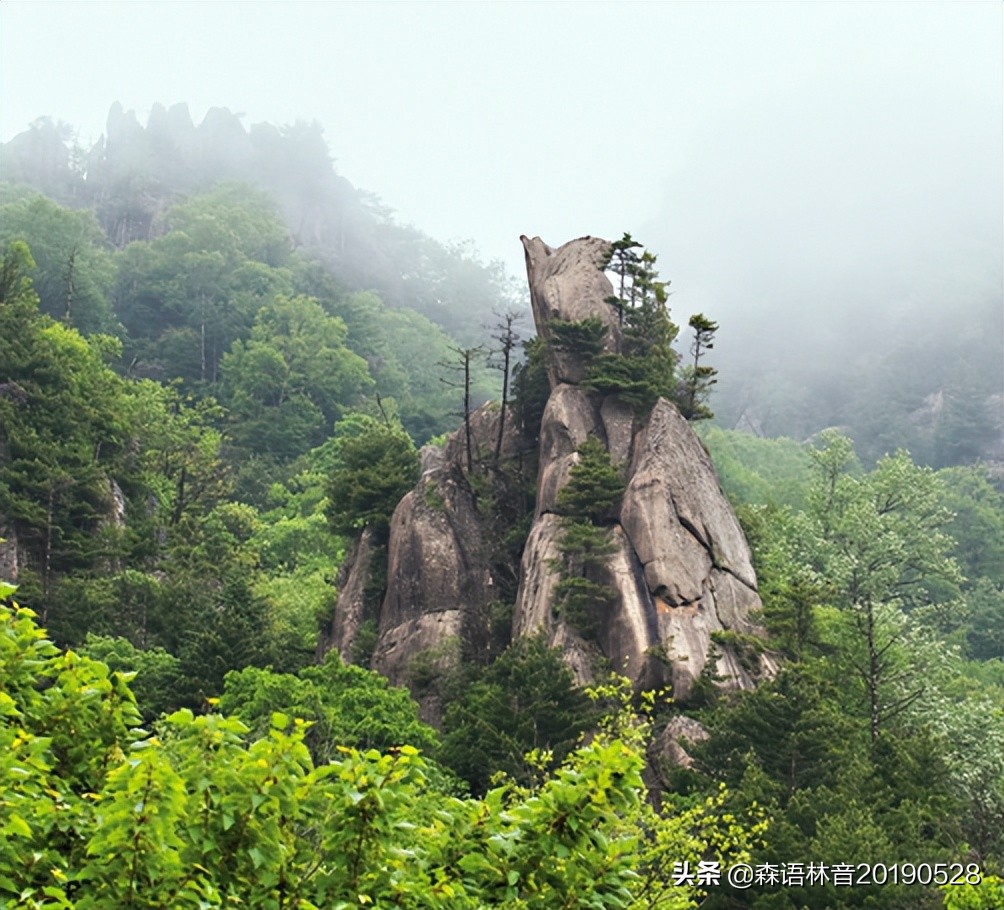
pixel 669 747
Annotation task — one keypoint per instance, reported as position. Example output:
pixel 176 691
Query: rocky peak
pixel 679 569
pixel 568 284
pixel 677 575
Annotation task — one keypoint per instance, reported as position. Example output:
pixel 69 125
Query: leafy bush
pixel 97 814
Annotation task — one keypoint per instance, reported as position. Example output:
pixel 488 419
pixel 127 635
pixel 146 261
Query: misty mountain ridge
pixel 907 374
pixel 133 174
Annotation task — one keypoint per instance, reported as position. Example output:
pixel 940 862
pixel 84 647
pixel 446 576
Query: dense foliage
pixel 100 813
pixel 375 465
pixel 506 716
pixel 881 736
pixel 164 483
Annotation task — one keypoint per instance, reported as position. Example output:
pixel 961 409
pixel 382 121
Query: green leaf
pixel 18 826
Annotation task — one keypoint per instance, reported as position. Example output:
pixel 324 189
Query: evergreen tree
pixel 531 388
pixel 63 428
pixel 75 271
pixel 698 378
pixel 463 365
pixel 376 465
pixel 583 339
pixel 526 700
pixel 587 505
pixel 507 338
pixel 623 262
pixel 644 369
pixel 594 486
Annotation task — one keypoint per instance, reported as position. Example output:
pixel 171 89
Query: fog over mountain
pixel 825 180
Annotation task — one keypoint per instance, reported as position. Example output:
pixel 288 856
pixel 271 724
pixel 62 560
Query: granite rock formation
pixel 679 569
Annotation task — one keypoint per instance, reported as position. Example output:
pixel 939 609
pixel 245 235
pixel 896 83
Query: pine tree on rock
pixel 644 369
pixel 587 504
pixel 698 378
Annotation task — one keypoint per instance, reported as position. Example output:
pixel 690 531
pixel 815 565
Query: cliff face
pixel 441 568
pixel 679 567
pixel 438 578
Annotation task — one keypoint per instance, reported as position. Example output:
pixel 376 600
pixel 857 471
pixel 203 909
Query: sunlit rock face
pixel 680 569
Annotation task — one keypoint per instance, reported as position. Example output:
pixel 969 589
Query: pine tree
pixel 698 378
pixel 462 365
pixel 507 338
pixel 377 466
pixel 587 506
pixel 623 262
pixel 642 371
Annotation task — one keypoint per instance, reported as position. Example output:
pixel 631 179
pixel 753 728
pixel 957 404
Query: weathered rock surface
pixel 680 732
pixel 439 576
pixel 671 469
pixel 538 577
pixel 484 438
pixel 566 283
pixel 571 416
pixel 438 580
pixel 439 559
pixel 350 607
pixel 681 568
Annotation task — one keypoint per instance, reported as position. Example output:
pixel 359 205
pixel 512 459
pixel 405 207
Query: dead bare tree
pixel 463 365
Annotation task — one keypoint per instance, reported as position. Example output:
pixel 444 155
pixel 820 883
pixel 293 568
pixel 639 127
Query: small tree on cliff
pixel 643 370
pixel 462 365
pixel 587 506
pixel 698 378
pixel 507 337
pixel 530 387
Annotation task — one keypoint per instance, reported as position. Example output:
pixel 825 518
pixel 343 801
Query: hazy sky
pixel 765 151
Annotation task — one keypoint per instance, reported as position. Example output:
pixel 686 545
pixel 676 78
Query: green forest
pixel 221 363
